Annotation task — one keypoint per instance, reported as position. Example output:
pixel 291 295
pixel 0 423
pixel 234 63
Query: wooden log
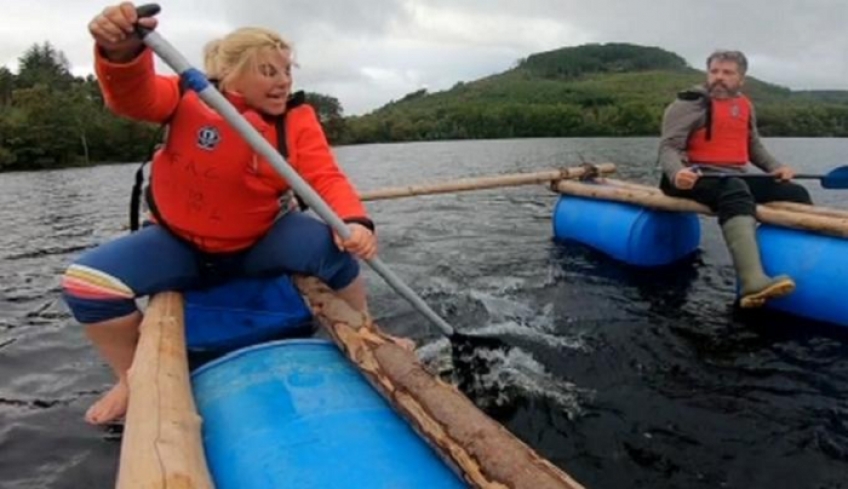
pixel 787 206
pixel 809 209
pixel 632 185
pixel 657 200
pixel 630 194
pixel 162 446
pixel 485 453
pixel 480 183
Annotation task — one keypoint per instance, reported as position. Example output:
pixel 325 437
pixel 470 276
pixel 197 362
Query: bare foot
pixel 110 407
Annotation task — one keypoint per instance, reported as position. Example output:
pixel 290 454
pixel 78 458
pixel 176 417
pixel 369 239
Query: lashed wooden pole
pixel 809 209
pixel 833 226
pixel 162 446
pixel 497 181
pixel 485 452
pixel 787 206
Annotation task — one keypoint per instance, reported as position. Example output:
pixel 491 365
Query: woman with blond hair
pixel 216 206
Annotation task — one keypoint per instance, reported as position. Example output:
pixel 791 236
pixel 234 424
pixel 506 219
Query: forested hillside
pixel 591 90
pixel 50 118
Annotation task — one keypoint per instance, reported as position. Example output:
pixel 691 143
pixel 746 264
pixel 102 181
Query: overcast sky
pixel 368 52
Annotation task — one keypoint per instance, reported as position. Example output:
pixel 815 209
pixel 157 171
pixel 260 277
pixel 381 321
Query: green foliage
pixel 592 90
pixel 44 65
pixel 599 58
pixel 51 119
pixel 330 113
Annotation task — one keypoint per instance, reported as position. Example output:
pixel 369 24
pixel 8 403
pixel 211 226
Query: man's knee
pixel 792 192
pixel 734 199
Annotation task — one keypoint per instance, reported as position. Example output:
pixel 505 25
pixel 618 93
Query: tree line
pixel 495 120
pixel 612 89
pixel 50 118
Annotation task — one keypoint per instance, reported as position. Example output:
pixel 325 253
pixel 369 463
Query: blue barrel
pixel 297 414
pixel 819 266
pixel 633 234
pixel 244 312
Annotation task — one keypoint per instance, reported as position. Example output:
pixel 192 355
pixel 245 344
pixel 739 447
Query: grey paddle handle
pixel 198 82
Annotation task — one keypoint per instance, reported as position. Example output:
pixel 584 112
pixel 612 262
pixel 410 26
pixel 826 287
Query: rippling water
pixel 624 378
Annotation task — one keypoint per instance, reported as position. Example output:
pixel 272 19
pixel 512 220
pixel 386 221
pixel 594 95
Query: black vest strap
pixel 135 197
pixel 706 100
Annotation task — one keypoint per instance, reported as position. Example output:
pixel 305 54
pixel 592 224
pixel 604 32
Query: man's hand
pixel 685 179
pixel 784 173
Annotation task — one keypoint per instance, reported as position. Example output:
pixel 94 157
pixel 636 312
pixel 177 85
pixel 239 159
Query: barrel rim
pixel 260 346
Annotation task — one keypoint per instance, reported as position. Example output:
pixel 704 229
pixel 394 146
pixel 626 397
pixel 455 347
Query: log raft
pixel 485 453
pixel 581 181
pixel 651 197
pixel 162 446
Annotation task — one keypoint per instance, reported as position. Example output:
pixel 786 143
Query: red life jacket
pixel 208 186
pixel 724 139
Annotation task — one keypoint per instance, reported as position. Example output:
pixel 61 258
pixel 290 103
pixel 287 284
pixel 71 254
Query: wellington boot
pixel 755 286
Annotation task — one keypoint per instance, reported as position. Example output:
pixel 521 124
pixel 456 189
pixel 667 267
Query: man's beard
pixel 719 89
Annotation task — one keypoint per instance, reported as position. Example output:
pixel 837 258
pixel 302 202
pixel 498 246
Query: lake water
pixel 622 378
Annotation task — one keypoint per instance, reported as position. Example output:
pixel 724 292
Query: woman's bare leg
pixel 115 340
pixel 355 295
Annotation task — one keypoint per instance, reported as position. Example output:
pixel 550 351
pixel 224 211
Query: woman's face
pixel 267 86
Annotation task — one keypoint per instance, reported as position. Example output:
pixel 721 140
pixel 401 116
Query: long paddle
pixel 834 179
pixel 198 82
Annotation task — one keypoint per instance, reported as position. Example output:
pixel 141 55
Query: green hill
pixel 591 90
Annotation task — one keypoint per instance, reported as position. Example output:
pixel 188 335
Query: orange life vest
pixel 207 185
pixel 724 139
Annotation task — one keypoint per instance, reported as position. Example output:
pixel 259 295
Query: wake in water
pixel 497 378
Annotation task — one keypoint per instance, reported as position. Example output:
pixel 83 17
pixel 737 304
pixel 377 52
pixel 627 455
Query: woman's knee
pixel 94 296
pixel 343 274
pixel 304 245
pixel 322 258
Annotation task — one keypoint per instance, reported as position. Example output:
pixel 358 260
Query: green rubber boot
pixel 755 286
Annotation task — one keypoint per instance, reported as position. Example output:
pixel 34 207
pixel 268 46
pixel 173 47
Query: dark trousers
pixel 729 197
pixel 103 282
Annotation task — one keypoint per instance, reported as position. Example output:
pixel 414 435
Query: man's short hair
pixel 735 56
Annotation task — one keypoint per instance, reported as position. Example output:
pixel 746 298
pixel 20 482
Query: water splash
pixel 516 375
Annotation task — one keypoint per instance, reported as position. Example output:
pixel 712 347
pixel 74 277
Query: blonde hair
pixel 233 55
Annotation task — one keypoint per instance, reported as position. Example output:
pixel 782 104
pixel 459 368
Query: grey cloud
pixel 367 52
pixel 299 18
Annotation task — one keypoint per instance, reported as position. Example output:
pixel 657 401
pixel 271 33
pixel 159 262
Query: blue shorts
pixel 102 283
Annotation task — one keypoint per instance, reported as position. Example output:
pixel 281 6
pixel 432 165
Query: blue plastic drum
pixel 819 266
pixel 296 414
pixel 633 234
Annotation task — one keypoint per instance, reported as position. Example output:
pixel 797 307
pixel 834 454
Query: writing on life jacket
pixel 205 186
